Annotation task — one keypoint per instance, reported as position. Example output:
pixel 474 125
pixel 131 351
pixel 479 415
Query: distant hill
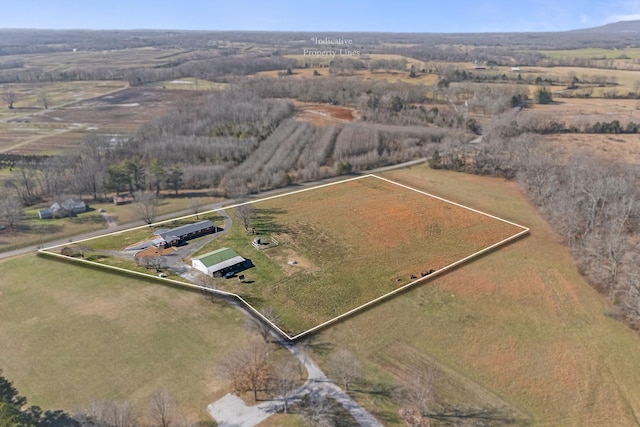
pixel 616 27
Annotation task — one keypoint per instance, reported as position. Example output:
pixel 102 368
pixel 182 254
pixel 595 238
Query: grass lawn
pixel 36 231
pixel 520 326
pixel 71 334
pixel 352 243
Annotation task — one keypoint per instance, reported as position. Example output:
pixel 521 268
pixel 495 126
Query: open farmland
pixel 352 242
pixel 608 146
pixel 35 130
pixel 591 110
pixel 74 334
pixel 521 324
pixel 388 76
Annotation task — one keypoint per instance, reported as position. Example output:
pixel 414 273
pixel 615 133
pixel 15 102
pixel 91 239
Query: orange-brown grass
pixel 521 322
pixel 591 110
pixel 625 78
pixel 323 114
pixel 389 76
pixel 364 239
pixel 617 147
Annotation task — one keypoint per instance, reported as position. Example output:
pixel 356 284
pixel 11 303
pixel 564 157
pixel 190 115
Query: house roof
pixel 183 230
pixel 217 256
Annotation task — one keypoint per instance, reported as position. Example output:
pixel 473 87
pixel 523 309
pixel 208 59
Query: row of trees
pixel 234 140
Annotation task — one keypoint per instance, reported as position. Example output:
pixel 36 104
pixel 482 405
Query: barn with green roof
pixel 220 262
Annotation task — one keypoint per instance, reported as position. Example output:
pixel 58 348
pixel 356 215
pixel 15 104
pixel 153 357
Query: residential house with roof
pixel 68 207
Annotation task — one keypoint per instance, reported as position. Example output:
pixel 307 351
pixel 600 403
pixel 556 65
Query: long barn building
pixel 175 236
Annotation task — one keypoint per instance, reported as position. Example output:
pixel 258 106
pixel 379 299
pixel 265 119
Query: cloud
pixel 584 19
pixel 628 11
pixel 627 17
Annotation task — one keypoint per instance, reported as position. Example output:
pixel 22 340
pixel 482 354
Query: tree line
pixel 593 203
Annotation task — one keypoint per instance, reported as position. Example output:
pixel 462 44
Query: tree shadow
pixel 466 415
pixel 43 228
pixel 314 344
pixel 265 221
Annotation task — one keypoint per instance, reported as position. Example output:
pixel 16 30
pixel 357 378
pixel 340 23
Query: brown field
pixel 625 78
pixel 616 147
pixel 521 323
pixel 591 110
pixel 323 114
pixel 358 240
pixel 391 76
pixel 39 131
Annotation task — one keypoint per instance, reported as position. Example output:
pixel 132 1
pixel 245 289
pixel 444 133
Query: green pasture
pixel 72 334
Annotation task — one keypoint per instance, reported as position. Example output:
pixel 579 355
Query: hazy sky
pixel 317 15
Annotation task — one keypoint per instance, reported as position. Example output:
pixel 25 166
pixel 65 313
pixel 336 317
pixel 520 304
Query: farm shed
pixel 220 262
pixel 174 236
pixel 64 208
pixel 122 199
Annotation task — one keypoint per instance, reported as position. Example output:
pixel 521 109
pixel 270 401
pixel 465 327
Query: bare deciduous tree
pixel 146 204
pixel 11 211
pixel 108 414
pixel 345 367
pixel 9 96
pixel 316 409
pixel 158 262
pixel 195 206
pixel 162 408
pixel 248 367
pixel 245 213
pixel 284 380
pixel 43 97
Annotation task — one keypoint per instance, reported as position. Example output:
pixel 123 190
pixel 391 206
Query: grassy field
pixel 95 106
pixel 608 146
pixel 35 231
pixel 593 52
pixel 352 243
pixel 521 326
pixel 71 334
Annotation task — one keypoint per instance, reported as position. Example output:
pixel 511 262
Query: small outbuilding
pixel 220 262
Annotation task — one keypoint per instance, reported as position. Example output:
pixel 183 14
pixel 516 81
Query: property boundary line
pixel 253 310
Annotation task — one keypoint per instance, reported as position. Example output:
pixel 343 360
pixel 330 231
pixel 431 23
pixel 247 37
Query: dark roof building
pixel 174 236
pixel 65 208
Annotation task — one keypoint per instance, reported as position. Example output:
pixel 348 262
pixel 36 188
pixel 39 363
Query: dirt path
pixel 231 411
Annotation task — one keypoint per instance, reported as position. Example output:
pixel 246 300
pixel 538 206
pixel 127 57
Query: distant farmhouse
pixel 175 236
pixel 221 262
pixel 67 207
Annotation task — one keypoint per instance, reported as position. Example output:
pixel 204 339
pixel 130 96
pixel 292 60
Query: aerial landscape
pixel 274 215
